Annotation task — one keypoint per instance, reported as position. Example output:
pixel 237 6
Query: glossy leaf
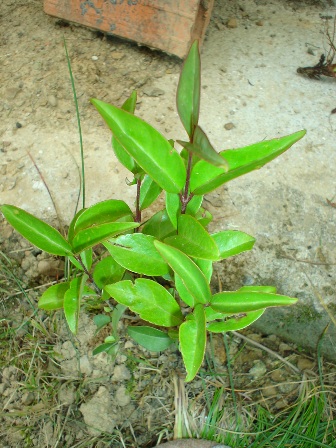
pixel 173 207
pixel 193 239
pixel 189 90
pixel 206 267
pixel 183 292
pixel 243 302
pixel 146 145
pixel 53 297
pixel 211 314
pixel 235 323
pixel 206 177
pixel 232 242
pixel 149 299
pixel 122 155
pixel 101 320
pixel 107 271
pixel 104 212
pixel 152 339
pixel 71 231
pixel 94 235
pixel 192 336
pixel 37 232
pixel 159 226
pixel 194 205
pixel 72 299
pixel 86 257
pixel 190 274
pixel 254 288
pixel 202 148
pixel 109 347
pixel 149 192
pixel 203 217
pixel 137 253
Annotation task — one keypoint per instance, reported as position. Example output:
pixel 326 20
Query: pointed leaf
pixel 37 232
pixel 152 339
pixel 105 347
pixel 206 177
pixel 190 274
pixel 202 148
pixel 243 302
pixel 235 323
pixel 104 212
pixel 193 239
pixel 189 90
pixel 53 297
pixel 192 337
pixel 173 207
pixel 194 205
pixel 159 226
pixel 72 299
pixel 137 253
pixel 183 292
pixel 232 242
pixel 253 288
pixel 122 155
pixel 146 145
pixel 149 299
pixel 107 271
pixel 149 192
pixel 86 257
pixel 94 235
pixel 101 320
pixel 206 267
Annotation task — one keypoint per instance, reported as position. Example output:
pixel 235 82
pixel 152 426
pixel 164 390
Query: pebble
pixel 305 364
pixel 281 404
pixel 27 398
pixel 121 373
pixel 153 91
pixel 260 23
pixel 232 23
pixel 18 125
pixel 117 55
pixel 52 100
pixel 277 376
pixel 122 397
pixel 258 370
pixel 85 366
pixel 229 126
pixel 94 58
pixel 269 391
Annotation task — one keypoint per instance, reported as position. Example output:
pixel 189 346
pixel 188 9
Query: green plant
pixel 159 268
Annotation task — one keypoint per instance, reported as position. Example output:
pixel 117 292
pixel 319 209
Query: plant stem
pixel 93 283
pixel 185 197
pixel 137 204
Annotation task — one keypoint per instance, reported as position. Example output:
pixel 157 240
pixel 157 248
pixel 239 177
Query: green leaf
pixel 105 212
pixel 94 235
pixel 146 145
pixel 206 267
pixel 211 314
pixel 122 155
pixel 107 271
pixel 101 320
pixel 108 347
pixel 202 148
pixel 232 242
pixel 194 205
pixel 149 192
pixel 173 207
pixel 37 232
pixel 72 299
pixel 183 292
pixel 193 239
pixel 117 314
pixel 137 253
pixel 243 302
pixel 252 288
pixel 191 275
pixel 203 217
pixel 86 257
pixel 235 323
pixel 206 177
pixel 189 90
pixel 71 231
pixel 149 299
pixel 53 297
pixel 192 337
pixel 159 226
pixel 152 339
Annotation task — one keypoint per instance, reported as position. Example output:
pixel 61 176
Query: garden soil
pixel 250 92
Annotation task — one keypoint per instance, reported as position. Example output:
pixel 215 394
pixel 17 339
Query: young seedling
pixel 161 268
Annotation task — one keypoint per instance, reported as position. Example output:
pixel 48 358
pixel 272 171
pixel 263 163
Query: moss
pixel 303 313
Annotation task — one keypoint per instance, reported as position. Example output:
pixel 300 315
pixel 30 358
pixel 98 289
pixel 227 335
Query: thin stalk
pixel 79 127
pixel 137 204
pixel 90 278
pixel 234 398
pixel 185 197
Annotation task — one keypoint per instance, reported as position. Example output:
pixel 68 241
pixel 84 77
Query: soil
pixel 53 392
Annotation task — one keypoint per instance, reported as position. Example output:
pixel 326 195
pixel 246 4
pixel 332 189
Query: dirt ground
pixel 250 92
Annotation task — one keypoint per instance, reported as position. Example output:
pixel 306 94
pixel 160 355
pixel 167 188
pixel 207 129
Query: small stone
pixel 121 373
pixel 3 387
pixel 117 55
pixel 94 58
pixel 281 404
pixel 284 348
pixel 122 397
pixel 311 51
pixel 229 126
pixel 269 391
pixel 305 364
pixel 18 125
pixel 27 398
pixel 258 370
pixel 260 23
pixel 278 376
pixel 52 100
pixel 232 23
pixel 50 267
pixel 85 366
pixel 153 91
